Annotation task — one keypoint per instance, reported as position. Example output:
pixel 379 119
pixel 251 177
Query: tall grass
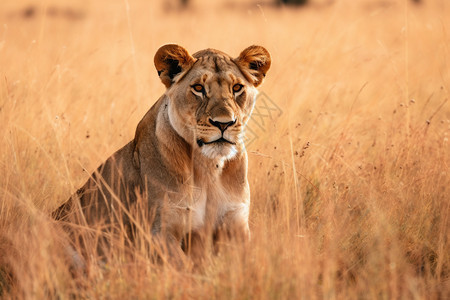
pixel 350 185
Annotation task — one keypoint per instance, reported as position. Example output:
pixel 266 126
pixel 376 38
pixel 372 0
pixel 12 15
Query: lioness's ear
pixel 254 62
pixel 171 60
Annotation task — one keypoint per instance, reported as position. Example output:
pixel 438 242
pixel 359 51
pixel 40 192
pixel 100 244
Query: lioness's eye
pixel 237 88
pixel 198 88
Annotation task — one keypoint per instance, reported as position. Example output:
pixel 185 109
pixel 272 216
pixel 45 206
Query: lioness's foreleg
pixel 233 227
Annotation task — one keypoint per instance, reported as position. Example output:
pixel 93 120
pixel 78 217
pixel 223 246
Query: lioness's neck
pixel 175 151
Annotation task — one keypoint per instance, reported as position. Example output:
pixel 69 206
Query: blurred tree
pixel 297 2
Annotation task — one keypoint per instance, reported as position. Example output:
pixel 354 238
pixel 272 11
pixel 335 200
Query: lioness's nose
pixel 222 125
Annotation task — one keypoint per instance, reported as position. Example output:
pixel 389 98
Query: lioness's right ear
pixel 254 63
pixel 171 60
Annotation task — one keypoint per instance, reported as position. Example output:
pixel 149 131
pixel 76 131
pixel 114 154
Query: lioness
pixel 187 164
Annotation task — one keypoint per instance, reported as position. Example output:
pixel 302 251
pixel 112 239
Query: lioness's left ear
pixel 254 62
pixel 171 60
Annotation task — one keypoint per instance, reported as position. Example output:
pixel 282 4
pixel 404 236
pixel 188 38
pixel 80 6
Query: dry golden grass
pixel 350 185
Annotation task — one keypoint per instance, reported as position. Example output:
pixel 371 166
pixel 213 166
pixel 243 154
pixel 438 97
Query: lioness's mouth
pixel 218 141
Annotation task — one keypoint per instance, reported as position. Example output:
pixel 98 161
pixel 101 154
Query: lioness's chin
pixel 219 150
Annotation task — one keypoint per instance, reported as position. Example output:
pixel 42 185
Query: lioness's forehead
pixel 215 61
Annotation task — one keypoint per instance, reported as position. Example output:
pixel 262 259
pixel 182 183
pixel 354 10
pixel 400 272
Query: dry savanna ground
pixel 349 151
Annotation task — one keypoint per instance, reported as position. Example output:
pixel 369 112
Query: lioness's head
pixel 211 95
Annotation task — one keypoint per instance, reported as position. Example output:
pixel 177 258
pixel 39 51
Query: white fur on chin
pixel 224 152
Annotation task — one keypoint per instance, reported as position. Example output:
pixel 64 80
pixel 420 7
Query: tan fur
pixel 173 173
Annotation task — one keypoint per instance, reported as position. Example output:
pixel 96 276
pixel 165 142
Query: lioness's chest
pixel 211 204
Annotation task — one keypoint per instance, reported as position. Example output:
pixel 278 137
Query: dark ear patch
pixel 255 65
pixel 174 67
